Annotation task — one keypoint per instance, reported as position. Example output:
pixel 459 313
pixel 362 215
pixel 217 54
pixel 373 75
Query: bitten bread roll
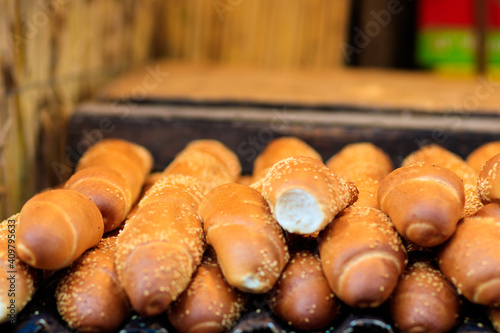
pixel 302 296
pixel 480 155
pixel 488 182
pixel 365 165
pixel 89 296
pixel 304 195
pixel 424 202
pixel 209 304
pixel 17 280
pixel 437 155
pixel 130 160
pixel 107 189
pixel 250 245
pixel 471 260
pixel 56 227
pixel 157 253
pixel 424 301
pixel 362 256
pixel 280 149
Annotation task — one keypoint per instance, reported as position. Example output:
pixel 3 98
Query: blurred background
pixel 56 53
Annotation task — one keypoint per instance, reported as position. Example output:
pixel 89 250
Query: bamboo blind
pixel 269 33
pixel 52 55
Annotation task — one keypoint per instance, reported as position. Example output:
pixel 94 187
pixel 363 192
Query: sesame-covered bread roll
pixel 302 296
pixel 424 301
pixel 488 182
pixel 437 155
pixel 362 256
pixel 365 165
pixel 280 149
pixel 304 195
pixel 250 245
pixel 157 253
pixel 209 304
pixel 471 260
pixel 89 296
pixel 207 160
pixel 480 155
pixel 128 159
pixel 18 281
pixel 424 202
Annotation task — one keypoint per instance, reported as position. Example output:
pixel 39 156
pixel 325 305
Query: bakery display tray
pixel 246 128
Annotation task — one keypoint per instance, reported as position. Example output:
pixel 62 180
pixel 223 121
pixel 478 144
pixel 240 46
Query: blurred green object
pixel 447 49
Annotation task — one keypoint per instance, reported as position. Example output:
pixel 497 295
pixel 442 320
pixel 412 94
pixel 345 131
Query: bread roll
pixel 280 149
pixel 488 182
pixel 209 304
pixel 424 202
pixel 56 227
pixel 495 318
pixel 223 154
pixel 250 245
pixel 208 161
pixel 17 280
pixel 302 296
pixel 304 195
pixel 489 210
pixel 471 260
pixel 157 253
pixel 89 296
pixel 480 155
pixel 424 301
pixel 365 165
pixel 130 160
pixel 107 189
pixel 437 155
pixel 362 256
pixel 180 188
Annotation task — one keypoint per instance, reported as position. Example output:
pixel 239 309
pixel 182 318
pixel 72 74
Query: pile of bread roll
pixel 194 240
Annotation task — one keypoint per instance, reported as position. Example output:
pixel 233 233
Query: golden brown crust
pixel 89 296
pixel 365 165
pixel 128 159
pixel 424 202
pixel 56 227
pixel 209 304
pixel 304 195
pixel 488 182
pixel 471 260
pixel 201 165
pixel 424 301
pixel 180 188
pixel 250 245
pixel 12 270
pixel 489 210
pixel 223 154
pixel 480 155
pixel 107 189
pixel 495 318
pixel 437 155
pixel 280 149
pixel 362 256
pixel 360 161
pixel 302 296
pixel 157 253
